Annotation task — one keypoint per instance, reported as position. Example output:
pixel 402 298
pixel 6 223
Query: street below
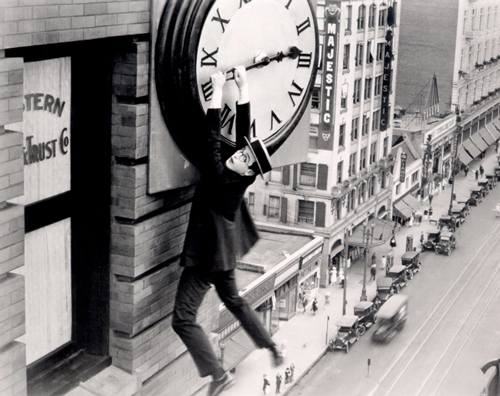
pixel 451 332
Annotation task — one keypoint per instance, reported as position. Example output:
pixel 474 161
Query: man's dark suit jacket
pixel 220 227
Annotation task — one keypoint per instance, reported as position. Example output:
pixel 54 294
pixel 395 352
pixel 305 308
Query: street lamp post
pixel 367 239
pixel 454 158
pixel 222 346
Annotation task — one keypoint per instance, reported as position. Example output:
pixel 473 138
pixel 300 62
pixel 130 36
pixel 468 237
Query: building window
pixel 380 51
pixel 398 189
pixel 368 88
pixel 386 144
pixel 414 177
pixel 308 174
pixel 362 158
pixel 361 17
pixel 347 54
pixel 358 60
pixel 274 207
pixel 481 18
pixel 361 193
pixel 373 153
pixel 352 164
pixel 275 175
pixel 371 16
pixel 340 169
pixel 306 211
pixel 376 120
pixel 348 21
pixel 377 89
pixel 342 135
pixel 371 187
pixel 251 203
pixel 343 97
pixel 382 179
pixel 356 96
pixel 315 98
pixel 382 17
pixel 369 57
pixel 473 20
pixel 366 125
pixel 354 129
pixel 350 200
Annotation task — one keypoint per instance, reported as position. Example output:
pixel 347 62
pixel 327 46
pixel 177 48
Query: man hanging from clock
pixel 221 230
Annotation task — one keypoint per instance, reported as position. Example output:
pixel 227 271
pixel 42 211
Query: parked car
pixel 385 289
pixel 348 333
pixel 484 185
pixel 432 239
pixel 447 242
pixel 400 276
pixel 496 169
pixel 450 222
pixel 392 318
pixel 493 178
pixel 476 196
pixel 460 212
pixel 411 260
pixel 366 311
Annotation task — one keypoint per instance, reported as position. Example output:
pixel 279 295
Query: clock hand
pixel 293 53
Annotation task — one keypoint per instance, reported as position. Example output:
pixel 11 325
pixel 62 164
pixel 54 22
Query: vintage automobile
pixel 450 222
pixel 496 169
pixel 348 332
pixel 447 242
pixel 476 196
pixel 432 239
pixel 461 212
pixel 400 276
pixel 366 311
pixel 411 260
pixel 385 289
pixel 486 185
pixel 493 177
pixel 392 318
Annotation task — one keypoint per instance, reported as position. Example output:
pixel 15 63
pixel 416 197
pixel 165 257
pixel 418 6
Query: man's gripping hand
pixel 240 76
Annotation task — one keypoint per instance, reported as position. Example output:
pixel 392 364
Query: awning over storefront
pixel 464 157
pixel 381 233
pixel 493 130
pixel 479 142
pixel 412 202
pixel 238 347
pixel 487 137
pixel 402 210
pixel 471 148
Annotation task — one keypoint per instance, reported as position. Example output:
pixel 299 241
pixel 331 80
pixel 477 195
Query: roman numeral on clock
pixel 209 58
pixel 303 26
pixel 226 119
pixel 222 21
pixel 274 117
pixel 207 90
pixel 304 60
pixel 298 92
pixel 288 5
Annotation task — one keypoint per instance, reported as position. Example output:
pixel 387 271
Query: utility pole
pixel 454 157
pixel 368 234
pixel 344 300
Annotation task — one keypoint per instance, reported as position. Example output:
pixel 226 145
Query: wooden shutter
pixel 322 176
pixel 320 214
pixel 286 175
pixel 284 207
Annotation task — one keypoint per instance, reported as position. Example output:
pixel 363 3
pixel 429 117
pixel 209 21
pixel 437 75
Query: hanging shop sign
pixel 330 51
pixel 386 82
pixel 46 129
pixel 402 172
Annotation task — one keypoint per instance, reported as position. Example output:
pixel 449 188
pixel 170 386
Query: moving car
pixel 447 242
pixel 411 260
pixel 391 318
pixel 348 332
pixel 366 311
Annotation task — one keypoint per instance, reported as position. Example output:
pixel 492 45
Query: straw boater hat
pixel 261 155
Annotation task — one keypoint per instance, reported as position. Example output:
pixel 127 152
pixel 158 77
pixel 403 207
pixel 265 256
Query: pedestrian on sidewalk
pixel 410 223
pixel 430 199
pixel 422 238
pixel 292 370
pixel 374 259
pixel 327 299
pixel 333 275
pixel 279 379
pixel 481 170
pixel 383 262
pixel 466 170
pixel 287 375
pixel 266 384
pixel 341 278
pixel 304 304
pixel 373 271
pixel 314 307
pixel 476 173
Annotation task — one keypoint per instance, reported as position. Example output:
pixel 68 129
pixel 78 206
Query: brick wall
pixel 147 235
pixel 36 22
pixel 12 304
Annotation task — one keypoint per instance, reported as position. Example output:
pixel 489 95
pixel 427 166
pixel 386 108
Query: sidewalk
pixel 307 334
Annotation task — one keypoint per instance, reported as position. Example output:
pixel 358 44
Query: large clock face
pixel 234 33
pixel 198 38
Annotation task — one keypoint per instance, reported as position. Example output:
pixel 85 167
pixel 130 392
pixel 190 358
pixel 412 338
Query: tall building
pixel 455 44
pixel 346 179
